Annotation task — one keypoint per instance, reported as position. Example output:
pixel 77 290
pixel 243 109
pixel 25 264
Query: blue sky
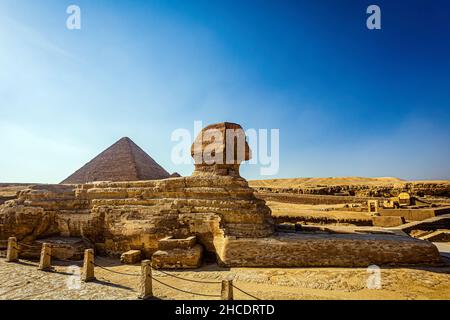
pixel 348 101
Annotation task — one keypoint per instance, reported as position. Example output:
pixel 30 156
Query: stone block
pixel 328 250
pixel 169 243
pixel 437 236
pixel 178 258
pixel 387 221
pixel 409 214
pixel 285 227
pixel 131 257
pixel 62 248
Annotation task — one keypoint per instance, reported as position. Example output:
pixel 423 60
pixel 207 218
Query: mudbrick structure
pixel 215 205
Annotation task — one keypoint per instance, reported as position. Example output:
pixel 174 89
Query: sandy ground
pixel 23 281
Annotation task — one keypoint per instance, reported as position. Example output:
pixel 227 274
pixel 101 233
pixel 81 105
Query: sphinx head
pixel 219 149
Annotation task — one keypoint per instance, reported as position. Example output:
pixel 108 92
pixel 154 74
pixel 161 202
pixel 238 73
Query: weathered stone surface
pixel 215 204
pixel 63 248
pixel 355 186
pixel 178 258
pixel 175 175
pixel 334 250
pixel 131 257
pixel 313 199
pixel 119 216
pixel 416 214
pixel 170 243
pixel 286 227
pixel 3 199
pixel 431 224
pixel 387 221
pixel 123 161
pixel 437 236
pixel 219 149
pixel 419 233
pixel 176 253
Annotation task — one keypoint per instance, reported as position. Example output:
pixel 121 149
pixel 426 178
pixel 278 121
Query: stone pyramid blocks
pixel 123 161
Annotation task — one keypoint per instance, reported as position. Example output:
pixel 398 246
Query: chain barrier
pixel 159 281
pixel 185 291
pixel 250 295
pixel 199 281
pixel 165 284
pixel 29 245
pixel 117 272
pixel 185 279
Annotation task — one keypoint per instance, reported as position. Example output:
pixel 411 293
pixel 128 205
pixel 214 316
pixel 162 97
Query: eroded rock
pixel 131 257
pixel 215 205
pixel 177 254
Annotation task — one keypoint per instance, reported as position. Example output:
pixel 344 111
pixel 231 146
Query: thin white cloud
pixel 19 30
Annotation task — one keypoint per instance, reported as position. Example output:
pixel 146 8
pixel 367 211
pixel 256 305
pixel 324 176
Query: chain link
pixel 190 280
pixel 185 291
pixel 117 272
pixel 250 295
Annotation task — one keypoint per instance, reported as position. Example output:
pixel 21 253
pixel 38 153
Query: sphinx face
pixel 220 148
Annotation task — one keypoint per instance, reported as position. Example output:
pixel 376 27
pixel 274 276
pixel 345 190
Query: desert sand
pixel 22 281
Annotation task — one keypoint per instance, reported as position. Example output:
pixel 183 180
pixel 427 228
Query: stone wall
pixel 416 214
pixel 313 199
pixel 322 220
pixel 120 216
pixel 330 250
pixel 3 199
pixel 431 224
pixel 416 188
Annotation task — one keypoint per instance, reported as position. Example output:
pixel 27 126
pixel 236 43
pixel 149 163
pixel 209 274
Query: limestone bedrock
pixel 215 204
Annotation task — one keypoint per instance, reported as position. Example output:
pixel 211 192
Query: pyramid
pixel 123 161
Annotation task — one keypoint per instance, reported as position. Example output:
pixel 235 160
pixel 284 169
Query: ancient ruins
pixel 211 213
pixel 123 161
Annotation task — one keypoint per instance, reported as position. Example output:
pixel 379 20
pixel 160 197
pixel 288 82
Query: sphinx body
pixel 215 204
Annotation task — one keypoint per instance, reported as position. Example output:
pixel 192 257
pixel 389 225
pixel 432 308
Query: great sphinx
pixel 215 204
